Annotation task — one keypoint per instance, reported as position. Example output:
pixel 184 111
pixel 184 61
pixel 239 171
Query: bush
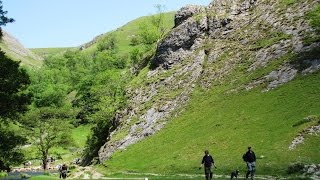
pixel 3 174
pixel 295 168
pixel 107 43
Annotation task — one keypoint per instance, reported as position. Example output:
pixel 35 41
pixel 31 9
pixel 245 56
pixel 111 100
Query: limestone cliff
pixel 205 47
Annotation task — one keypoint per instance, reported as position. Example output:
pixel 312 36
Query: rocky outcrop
pixel 188 35
pixel 172 90
pixel 205 47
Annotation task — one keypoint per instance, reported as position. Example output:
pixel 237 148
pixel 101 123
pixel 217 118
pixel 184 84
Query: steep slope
pixel 15 50
pixel 233 74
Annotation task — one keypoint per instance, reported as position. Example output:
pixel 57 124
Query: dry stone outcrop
pixel 206 45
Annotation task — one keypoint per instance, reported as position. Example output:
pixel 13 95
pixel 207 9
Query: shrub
pixel 295 168
pixel 3 174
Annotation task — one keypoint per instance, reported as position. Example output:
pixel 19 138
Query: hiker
pixel 63 171
pixel 250 158
pixel 207 163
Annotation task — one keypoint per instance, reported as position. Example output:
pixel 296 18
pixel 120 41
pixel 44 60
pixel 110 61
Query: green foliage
pixel 148 32
pixel 288 2
pixel 107 43
pixel 151 29
pixel 10 154
pixel 135 55
pixel 295 168
pixel 13 100
pixel 314 18
pixel 3 18
pixel 84 87
pixel 48 127
pixel 13 83
pixel 108 90
pixel 3 174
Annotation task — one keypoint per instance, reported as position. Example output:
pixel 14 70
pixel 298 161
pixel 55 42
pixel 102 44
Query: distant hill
pixel 47 52
pixel 16 51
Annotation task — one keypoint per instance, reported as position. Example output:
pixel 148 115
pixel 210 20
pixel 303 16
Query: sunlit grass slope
pixel 226 124
pixel 125 33
pixel 47 52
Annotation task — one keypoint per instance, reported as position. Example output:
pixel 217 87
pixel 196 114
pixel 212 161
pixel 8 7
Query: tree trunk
pixel 44 160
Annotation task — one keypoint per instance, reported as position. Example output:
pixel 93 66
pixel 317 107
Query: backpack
pixel 244 157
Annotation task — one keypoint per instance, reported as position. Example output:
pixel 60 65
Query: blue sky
pixel 69 23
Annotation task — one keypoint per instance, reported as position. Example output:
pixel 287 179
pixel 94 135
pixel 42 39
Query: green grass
pixel 226 124
pixel 43 177
pixel 47 52
pixel 313 18
pixel 123 34
pixel 80 135
pixel 27 60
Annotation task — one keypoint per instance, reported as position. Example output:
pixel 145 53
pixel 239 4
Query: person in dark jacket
pixel 250 158
pixel 63 171
pixel 207 162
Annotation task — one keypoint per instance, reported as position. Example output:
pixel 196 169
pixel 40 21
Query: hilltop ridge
pixel 15 50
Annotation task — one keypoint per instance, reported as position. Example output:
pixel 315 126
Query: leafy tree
pixel 13 100
pixel 108 90
pixel 13 82
pixel 48 127
pixel 48 120
pixel 151 30
pixel 3 18
pixel 9 153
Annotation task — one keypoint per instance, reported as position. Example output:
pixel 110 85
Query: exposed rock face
pixel 205 47
pixel 186 37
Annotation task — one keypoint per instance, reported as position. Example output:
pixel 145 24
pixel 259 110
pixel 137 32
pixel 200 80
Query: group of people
pixel 249 157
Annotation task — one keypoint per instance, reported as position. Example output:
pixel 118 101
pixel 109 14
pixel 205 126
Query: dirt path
pixel 86 173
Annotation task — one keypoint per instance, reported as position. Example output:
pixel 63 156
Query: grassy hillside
pixel 125 33
pixel 226 118
pixel 226 124
pixel 47 52
pixel 15 50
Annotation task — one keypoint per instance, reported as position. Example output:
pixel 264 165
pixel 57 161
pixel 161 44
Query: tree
pixel 48 127
pixel 48 120
pixel 13 100
pixel 3 18
pixel 13 82
pixel 152 29
pixel 108 91
pixel 9 153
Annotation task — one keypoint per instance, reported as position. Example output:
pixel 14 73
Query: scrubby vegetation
pixel 78 93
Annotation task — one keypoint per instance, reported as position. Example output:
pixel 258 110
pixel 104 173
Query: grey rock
pixel 187 12
pixel 280 77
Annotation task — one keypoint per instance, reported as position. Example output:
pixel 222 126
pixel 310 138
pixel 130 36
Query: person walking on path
pixel 63 171
pixel 250 158
pixel 207 163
